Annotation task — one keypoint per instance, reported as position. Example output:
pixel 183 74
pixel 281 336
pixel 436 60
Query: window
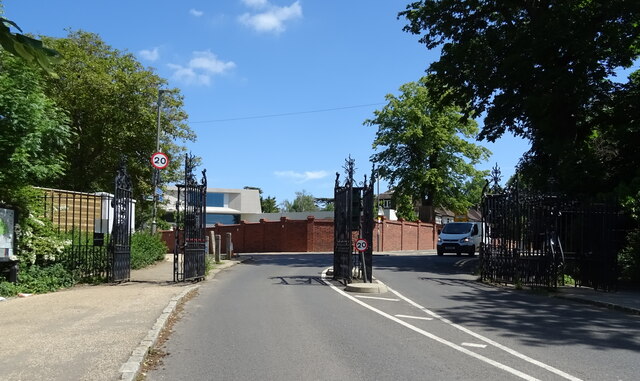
pixel 227 219
pixel 215 199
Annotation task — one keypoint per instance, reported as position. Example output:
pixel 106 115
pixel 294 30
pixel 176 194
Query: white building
pixel 226 206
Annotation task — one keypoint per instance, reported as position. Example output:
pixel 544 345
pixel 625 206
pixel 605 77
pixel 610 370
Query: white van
pixel 460 237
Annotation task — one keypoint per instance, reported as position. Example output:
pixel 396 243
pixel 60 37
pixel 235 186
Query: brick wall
pixel 315 235
pixel 403 235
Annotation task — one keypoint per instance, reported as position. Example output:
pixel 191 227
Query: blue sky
pixel 276 90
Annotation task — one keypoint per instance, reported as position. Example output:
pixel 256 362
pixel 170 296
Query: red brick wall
pixel 169 238
pixel 391 235
pixel 273 233
pixel 252 237
pixel 323 235
pixel 313 235
pixel 402 235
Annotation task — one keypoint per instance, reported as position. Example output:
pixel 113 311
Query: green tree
pixel 269 205
pixel 426 153
pixel 304 202
pixel 29 49
pixel 112 102
pixel 405 206
pixel 537 68
pixel 325 204
pixel 34 133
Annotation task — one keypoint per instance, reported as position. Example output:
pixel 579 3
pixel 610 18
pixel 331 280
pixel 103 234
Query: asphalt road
pixel 276 318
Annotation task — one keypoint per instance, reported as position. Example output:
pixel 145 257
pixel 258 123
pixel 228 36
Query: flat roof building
pixel 225 206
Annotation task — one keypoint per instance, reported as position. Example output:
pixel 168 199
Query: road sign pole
pixel 362 246
pixel 154 222
pixel 364 268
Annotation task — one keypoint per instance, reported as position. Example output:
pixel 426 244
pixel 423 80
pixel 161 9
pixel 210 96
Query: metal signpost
pixel 159 160
pixel 361 246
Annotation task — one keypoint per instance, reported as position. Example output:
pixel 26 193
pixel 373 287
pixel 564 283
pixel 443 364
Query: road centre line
pixel 414 317
pixel 474 345
pixel 432 336
pixel 377 298
pixel 487 340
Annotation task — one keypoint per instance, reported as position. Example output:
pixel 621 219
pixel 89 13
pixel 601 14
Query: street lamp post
pixel 156 172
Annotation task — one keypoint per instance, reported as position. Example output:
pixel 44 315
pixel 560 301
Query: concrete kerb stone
pixel 367 288
pixel 611 306
pixel 130 369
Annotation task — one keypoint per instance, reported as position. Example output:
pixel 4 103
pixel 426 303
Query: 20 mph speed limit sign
pixel 159 160
pixel 362 244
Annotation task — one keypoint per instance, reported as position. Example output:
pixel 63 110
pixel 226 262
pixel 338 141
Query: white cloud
pixel 301 177
pixel 150 55
pixel 256 3
pixel 195 12
pixel 202 66
pixel 272 19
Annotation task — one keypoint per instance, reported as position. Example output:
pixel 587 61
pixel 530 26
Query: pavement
pixel 90 332
pixel 103 332
pixel 624 300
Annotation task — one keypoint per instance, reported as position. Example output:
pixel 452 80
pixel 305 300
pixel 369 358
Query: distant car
pixel 460 237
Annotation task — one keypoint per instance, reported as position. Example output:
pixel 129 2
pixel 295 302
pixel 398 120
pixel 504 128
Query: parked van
pixel 460 237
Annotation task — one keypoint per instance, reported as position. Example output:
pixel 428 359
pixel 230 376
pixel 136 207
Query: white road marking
pixel 487 340
pixel 414 317
pixel 474 345
pixel 453 345
pixel 377 298
pixel 462 262
pixel 434 337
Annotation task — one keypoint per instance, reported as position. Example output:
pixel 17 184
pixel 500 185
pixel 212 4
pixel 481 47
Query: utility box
pixel 8 259
pixel 7 234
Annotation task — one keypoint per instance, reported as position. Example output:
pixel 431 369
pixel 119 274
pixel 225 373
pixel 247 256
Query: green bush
pixel 146 249
pixel 8 289
pixel 40 247
pixel 629 258
pixel 34 279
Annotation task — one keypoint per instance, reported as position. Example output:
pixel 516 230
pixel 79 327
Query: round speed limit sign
pixel 362 244
pixel 159 160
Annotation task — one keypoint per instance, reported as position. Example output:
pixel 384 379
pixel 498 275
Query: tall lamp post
pixel 156 172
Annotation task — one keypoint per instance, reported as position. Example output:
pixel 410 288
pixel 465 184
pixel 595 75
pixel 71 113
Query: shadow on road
pixel 533 316
pixel 323 260
pixel 300 280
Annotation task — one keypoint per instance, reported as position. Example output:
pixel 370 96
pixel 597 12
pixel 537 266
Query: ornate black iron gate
pixel 120 240
pixel 353 213
pixel 342 245
pixel 190 249
pixel 366 230
pixel 537 239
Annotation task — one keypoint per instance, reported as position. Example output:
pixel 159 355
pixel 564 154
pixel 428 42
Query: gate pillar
pixel 190 249
pixel 353 212
pixel 119 248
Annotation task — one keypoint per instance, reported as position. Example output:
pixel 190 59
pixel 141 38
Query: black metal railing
pixel 538 239
pixel 83 221
pixel 95 227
